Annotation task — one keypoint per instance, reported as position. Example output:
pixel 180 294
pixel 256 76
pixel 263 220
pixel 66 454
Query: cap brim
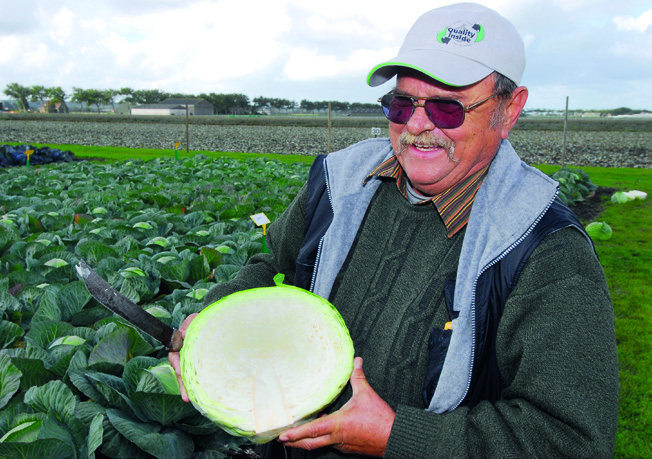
pixel 450 69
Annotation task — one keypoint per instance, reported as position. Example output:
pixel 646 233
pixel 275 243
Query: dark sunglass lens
pixel 398 108
pixel 445 114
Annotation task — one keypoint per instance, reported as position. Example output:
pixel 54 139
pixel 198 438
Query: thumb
pixel 186 323
pixel 358 379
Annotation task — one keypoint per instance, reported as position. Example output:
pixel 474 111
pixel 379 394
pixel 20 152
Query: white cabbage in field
pixel 260 361
pixel 620 197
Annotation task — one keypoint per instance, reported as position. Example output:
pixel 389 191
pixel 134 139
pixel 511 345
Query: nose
pixel 419 122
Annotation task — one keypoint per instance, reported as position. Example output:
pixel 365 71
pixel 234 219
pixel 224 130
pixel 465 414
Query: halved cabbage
pixel 260 361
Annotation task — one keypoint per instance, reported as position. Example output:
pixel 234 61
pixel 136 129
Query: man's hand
pixel 175 359
pixel 361 426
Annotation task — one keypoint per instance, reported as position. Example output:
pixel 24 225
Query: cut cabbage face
pixel 260 361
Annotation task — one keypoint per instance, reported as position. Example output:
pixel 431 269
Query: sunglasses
pixel 444 113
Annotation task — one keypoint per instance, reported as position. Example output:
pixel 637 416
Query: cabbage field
pixel 76 381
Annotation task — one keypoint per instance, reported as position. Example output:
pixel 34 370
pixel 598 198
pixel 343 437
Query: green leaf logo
pixel 441 35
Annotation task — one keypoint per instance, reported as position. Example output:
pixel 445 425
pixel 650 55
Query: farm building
pixel 175 107
pixel 54 107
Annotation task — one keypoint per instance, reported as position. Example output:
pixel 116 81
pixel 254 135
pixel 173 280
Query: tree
pixel 339 106
pixel 623 111
pixel 364 106
pixel 282 104
pixel 260 102
pixel 56 94
pixel 180 95
pixel 128 95
pixel 77 95
pixel 109 96
pixel 148 96
pixel 238 104
pixel 90 97
pixel 228 104
pixel 273 102
pixel 20 93
pixel 38 94
pixel 307 105
pixel 212 98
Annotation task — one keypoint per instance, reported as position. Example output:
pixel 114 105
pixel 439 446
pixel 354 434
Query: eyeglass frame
pixel 416 105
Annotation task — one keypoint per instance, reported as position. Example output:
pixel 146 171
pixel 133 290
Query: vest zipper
pixel 321 241
pixel 475 284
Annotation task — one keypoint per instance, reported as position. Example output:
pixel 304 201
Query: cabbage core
pixel 262 360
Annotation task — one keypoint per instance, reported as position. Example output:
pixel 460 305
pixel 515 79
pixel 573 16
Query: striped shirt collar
pixel 453 205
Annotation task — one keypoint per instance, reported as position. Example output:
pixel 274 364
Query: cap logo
pixel 461 33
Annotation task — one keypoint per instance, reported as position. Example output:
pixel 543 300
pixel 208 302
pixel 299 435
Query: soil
pixel 588 210
pixel 245 453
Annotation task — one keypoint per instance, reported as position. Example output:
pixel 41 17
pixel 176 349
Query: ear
pixel 513 109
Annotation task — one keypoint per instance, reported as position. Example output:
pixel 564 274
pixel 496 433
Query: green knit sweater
pixel 555 345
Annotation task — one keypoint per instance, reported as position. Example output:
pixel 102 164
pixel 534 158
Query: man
pixel 473 296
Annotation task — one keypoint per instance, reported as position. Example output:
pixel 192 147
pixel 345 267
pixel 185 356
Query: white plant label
pixel 260 219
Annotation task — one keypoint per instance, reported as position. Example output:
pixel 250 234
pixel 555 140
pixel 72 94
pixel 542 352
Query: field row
pixel 583 148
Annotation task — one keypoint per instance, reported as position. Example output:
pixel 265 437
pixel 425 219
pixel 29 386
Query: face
pixel 423 149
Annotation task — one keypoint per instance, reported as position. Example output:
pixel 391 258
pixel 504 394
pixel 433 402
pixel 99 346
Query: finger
pixel 320 427
pixel 175 357
pixel 310 443
pixel 182 390
pixel 175 360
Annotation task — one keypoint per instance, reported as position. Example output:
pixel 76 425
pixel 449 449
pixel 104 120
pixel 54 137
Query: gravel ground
pixel 604 149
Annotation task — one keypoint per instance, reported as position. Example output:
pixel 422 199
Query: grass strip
pixel 126 154
pixel 627 262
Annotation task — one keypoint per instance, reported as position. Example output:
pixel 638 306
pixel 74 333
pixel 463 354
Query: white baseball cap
pixel 458 45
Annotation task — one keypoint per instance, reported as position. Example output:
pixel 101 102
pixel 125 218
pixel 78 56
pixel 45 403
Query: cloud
pixel 297 49
pixel 8 49
pixel 61 26
pixel 633 42
pixel 122 51
pixel 39 57
pixel 93 24
pixel 306 64
pixel 204 42
pixel 635 24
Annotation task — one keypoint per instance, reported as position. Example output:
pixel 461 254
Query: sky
pixel 598 53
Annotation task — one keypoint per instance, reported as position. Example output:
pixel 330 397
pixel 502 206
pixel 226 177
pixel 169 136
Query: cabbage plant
pixel 574 185
pixel 260 361
pixel 600 231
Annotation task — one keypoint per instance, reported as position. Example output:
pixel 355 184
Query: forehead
pixel 417 84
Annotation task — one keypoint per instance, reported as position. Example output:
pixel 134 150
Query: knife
pixel 108 296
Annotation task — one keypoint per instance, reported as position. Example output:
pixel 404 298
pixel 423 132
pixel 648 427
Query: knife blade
pixel 109 297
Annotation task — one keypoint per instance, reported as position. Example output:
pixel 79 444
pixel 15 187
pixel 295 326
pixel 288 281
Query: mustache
pixel 427 139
